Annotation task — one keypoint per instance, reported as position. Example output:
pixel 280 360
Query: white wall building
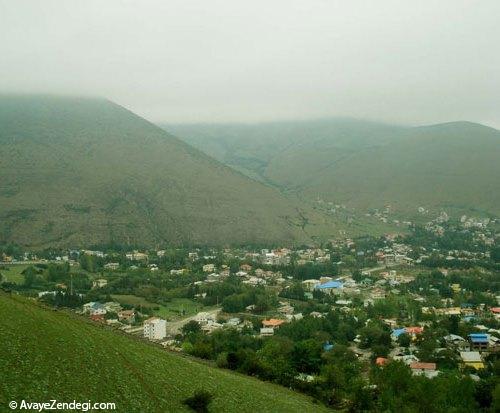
pixel 155 328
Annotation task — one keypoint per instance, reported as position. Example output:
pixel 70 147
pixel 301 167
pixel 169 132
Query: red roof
pixel 414 330
pixel 381 361
pixel 495 310
pixel 423 366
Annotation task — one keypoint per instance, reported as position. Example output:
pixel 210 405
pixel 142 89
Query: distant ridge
pixel 366 165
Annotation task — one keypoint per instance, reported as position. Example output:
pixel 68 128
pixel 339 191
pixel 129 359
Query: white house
pixel 209 268
pixel 99 283
pixel 155 328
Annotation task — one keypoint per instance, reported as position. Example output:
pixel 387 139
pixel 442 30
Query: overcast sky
pixel 209 61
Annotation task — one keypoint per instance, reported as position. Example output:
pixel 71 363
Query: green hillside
pixel 364 164
pixel 56 355
pixel 86 171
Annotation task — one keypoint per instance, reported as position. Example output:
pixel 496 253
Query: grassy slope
pixel 54 355
pixel 82 171
pixel 364 164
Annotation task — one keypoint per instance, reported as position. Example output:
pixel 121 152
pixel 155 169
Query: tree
pixel 199 401
pixel 191 327
pixel 306 356
pixel 495 254
pixel 404 340
pixel 29 277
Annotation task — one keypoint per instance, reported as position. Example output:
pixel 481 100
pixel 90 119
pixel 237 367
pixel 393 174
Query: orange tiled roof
pixel 423 366
pixel 414 330
pixel 273 322
pixel 380 361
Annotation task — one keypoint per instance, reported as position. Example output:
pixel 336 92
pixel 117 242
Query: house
pixel 411 331
pixel 94 308
pixel 448 311
pixel 233 322
pixel 97 318
pixel 155 328
pixel 478 341
pixel 211 327
pixel 127 316
pixel 381 361
pixel 397 332
pixel 406 358
pixel 330 287
pixel 309 285
pixel 99 283
pixel 266 331
pixel 136 256
pixel 203 318
pixel 112 266
pixel 472 359
pixel 273 323
pixel 44 293
pixel 452 340
pixel 291 317
pixel 209 268
pixel 213 277
pixel 414 331
pixel 426 369
pixel 113 307
pixel 286 308
pixel 179 272
pixel 245 267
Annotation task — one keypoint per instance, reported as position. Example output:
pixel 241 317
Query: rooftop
pixel 471 356
pixel 423 366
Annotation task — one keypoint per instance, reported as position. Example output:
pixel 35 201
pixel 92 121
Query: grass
pixel 12 273
pixel 58 355
pixel 176 308
pixel 181 307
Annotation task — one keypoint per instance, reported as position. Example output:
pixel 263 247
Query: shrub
pixel 199 401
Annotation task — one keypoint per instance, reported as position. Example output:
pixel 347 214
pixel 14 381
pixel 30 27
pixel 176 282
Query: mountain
pixel 83 171
pixel 57 355
pixel 362 164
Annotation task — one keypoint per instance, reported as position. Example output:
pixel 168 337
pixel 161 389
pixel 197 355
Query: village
pixel 429 300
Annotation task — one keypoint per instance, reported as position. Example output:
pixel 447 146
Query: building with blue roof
pixel 397 332
pixel 479 341
pixel 330 287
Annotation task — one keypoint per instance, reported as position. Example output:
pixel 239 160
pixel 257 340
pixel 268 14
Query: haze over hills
pixel 364 164
pixel 86 171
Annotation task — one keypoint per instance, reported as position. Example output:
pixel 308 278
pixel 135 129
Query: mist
pixel 239 61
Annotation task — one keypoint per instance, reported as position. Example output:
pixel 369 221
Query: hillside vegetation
pixel 56 355
pixel 364 164
pixel 78 172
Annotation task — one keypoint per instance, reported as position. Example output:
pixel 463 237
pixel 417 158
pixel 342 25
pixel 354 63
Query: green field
pixel 12 273
pixel 57 355
pixel 176 308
